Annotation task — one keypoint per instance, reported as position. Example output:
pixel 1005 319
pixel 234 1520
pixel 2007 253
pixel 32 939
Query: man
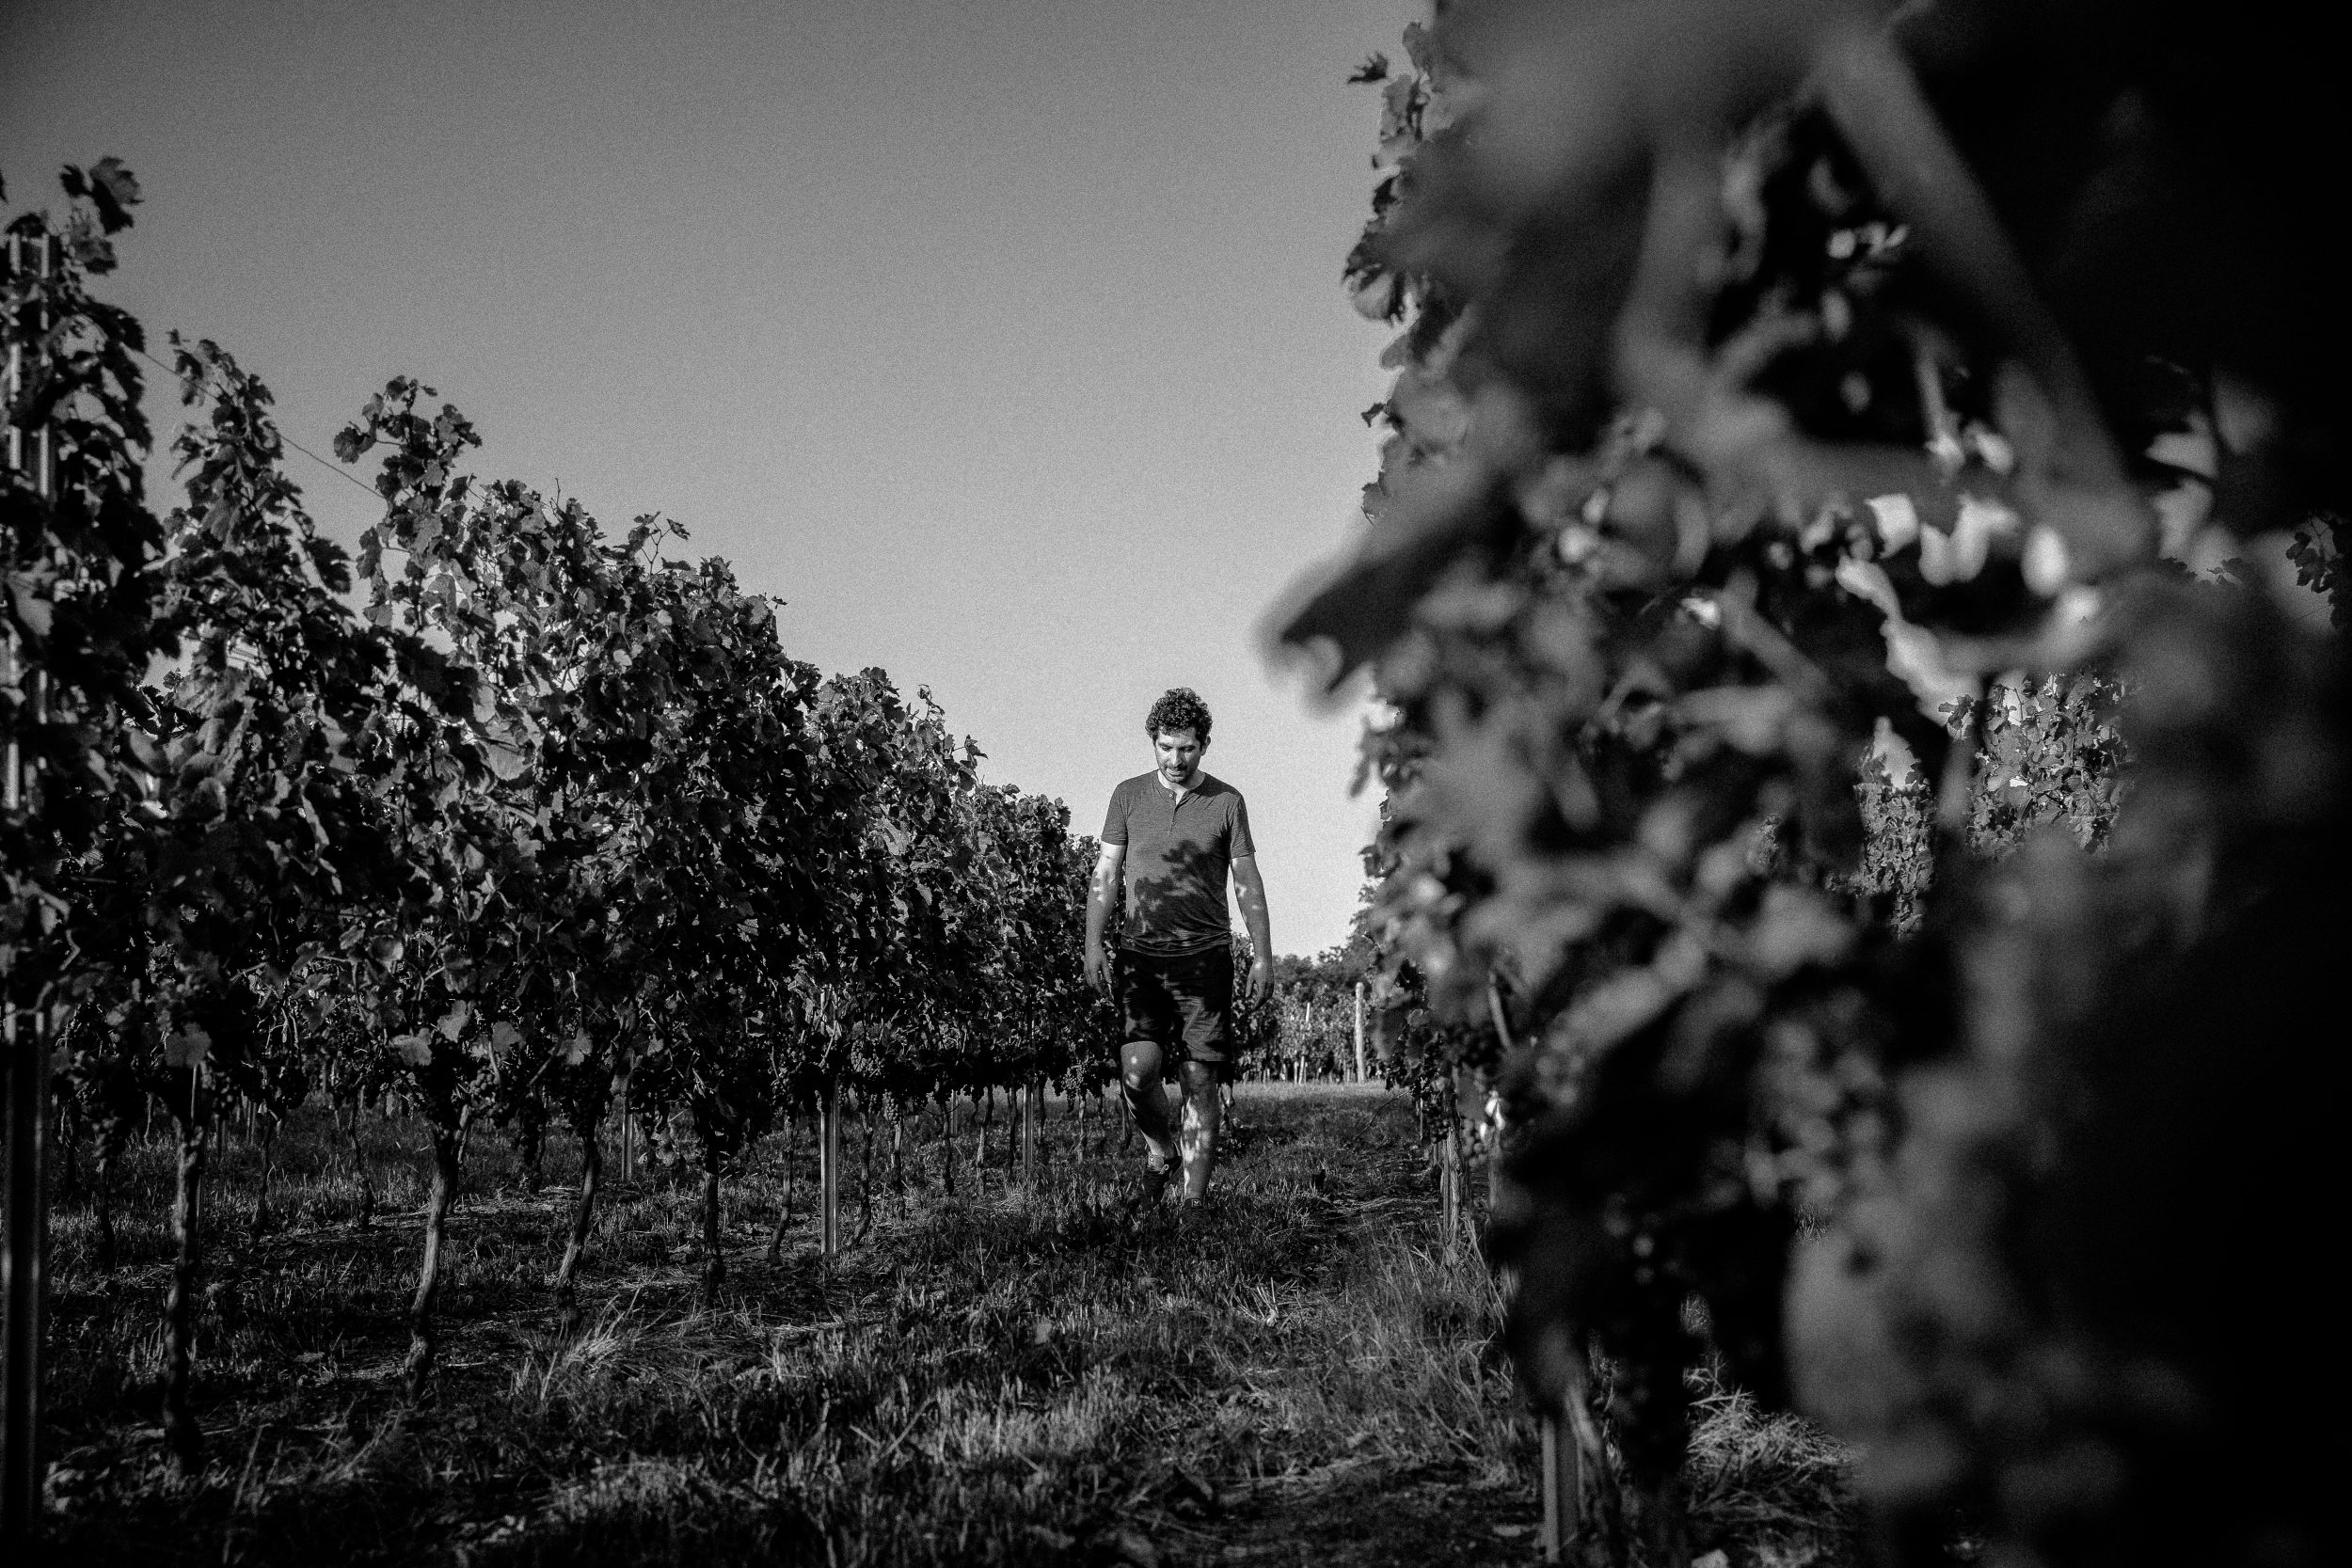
pixel 1171 838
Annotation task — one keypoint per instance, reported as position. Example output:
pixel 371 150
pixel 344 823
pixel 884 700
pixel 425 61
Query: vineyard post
pixel 1561 1486
pixel 1360 1030
pixel 26 1042
pixel 829 1169
pixel 629 1138
pixel 1031 1114
pixel 1450 1173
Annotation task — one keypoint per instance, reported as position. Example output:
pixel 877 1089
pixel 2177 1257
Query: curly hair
pixel 1180 708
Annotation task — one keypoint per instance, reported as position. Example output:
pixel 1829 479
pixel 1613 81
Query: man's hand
pixel 1249 888
pixel 1102 893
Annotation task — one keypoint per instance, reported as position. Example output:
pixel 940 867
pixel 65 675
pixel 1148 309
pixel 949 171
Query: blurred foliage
pixel 1862 834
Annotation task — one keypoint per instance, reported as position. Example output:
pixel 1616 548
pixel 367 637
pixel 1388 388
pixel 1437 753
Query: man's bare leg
pixel 1204 1114
pixel 1140 1082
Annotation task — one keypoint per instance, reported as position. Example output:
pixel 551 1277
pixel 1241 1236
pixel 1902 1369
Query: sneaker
pixel 1150 1187
pixel 1201 1211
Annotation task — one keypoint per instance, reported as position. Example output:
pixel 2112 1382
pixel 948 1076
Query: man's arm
pixel 1102 893
pixel 1251 889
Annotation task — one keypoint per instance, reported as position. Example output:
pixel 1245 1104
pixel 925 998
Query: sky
pixel 1002 339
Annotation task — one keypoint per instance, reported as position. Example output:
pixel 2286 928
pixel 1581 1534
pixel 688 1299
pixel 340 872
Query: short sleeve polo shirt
pixel 1178 854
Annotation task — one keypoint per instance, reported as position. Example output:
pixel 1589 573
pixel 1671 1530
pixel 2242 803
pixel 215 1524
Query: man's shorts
pixel 1184 1003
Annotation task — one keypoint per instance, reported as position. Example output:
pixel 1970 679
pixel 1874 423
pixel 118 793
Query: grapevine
pixel 1761 566
pixel 551 824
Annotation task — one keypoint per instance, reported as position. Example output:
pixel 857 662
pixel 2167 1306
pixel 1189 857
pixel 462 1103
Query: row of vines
pixel 1849 799
pixel 548 822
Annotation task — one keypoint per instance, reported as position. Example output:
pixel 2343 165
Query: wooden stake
pixel 24 1197
pixel 629 1135
pixel 1359 1031
pixel 1028 1135
pixel 1547 1482
pixel 829 1170
pixel 865 1165
pixel 898 1155
pixel 783 1210
pixel 1450 1174
pixel 1562 1487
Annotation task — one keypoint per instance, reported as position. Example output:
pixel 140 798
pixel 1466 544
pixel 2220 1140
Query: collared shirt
pixel 1180 850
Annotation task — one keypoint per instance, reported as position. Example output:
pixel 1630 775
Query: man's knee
pixel 1139 1065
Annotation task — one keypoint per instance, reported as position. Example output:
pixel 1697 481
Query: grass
pixel 999 1376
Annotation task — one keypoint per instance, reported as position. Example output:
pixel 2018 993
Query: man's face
pixel 1179 754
